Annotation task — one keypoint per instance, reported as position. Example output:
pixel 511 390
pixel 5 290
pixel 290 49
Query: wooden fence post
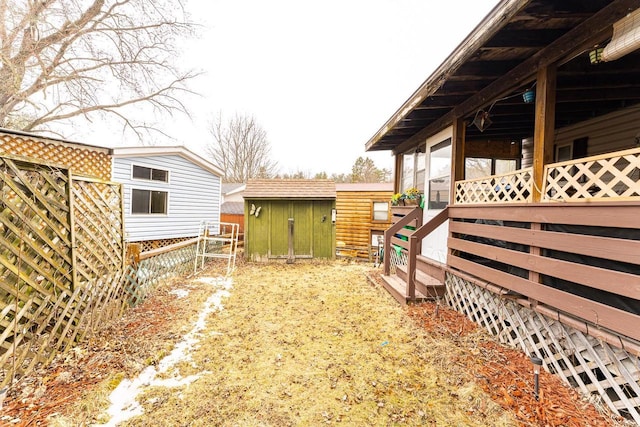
pixel 292 256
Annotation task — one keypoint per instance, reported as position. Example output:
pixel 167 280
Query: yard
pixel 300 344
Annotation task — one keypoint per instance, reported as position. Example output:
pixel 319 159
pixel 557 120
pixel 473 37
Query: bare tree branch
pixel 61 59
pixel 240 148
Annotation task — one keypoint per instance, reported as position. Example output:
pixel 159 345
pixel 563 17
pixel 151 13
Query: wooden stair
pixel 428 287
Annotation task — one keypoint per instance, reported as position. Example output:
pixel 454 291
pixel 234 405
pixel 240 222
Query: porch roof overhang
pixel 498 62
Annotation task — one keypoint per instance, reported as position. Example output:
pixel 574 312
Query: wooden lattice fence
pixel 61 261
pixel 597 363
pixel 142 275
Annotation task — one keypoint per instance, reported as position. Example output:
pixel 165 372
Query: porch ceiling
pixel 497 62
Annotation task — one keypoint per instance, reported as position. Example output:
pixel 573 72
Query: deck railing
pixel 608 177
pixel 513 187
pixel 570 257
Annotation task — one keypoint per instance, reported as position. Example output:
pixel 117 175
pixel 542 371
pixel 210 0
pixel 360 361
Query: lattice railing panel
pixel 514 187
pixel 614 176
pixel 140 279
pixel 588 364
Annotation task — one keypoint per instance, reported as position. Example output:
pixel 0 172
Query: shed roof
pixel 308 189
pixel 497 62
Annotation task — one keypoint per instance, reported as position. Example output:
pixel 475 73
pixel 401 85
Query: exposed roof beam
pixel 524 38
pixel 593 30
pixel 496 19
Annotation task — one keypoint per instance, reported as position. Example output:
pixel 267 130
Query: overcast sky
pixel 320 77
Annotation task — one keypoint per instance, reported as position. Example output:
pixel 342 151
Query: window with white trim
pixel 146 202
pixel 150 174
pixel 380 211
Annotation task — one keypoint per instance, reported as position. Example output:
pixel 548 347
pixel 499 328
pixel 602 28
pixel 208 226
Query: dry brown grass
pixel 314 343
pixel 303 344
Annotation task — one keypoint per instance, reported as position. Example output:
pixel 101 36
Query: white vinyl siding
pixel 193 194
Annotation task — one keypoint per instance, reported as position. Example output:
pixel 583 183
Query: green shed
pixel 289 219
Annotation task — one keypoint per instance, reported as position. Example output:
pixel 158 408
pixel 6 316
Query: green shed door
pixel 279 218
pixel 323 229
pixel 302 214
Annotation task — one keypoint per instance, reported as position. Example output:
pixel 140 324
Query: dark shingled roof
pixel 309 189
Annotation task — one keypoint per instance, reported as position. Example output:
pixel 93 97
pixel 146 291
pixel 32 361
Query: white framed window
pixel 476 167
pixel 413 170
pixel 564 152
pixel 149 174
pixel 439 174
pixel 380 211
pixel 148 202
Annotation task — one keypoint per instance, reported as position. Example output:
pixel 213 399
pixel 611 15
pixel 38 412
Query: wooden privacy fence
pixel 61 261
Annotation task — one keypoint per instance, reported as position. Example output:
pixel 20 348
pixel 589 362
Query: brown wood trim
pixel 458 150
pixel 399 242
pixel 397 172
pixel 623 215
pixel 593 30
pixel 623 250
pixel 169 248
pixel 598 278
pixel 596 313
pixel 544 129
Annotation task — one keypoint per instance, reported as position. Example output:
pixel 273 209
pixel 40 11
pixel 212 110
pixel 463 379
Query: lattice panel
pixel 505 188
pixel 98 227
pixel 140 279
pixel 590 365
pixel 81 159
pixel 397 257
pixel 148 245
pixel 615 176
pixel 46 241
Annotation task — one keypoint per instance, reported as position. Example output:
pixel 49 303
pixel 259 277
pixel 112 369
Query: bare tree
pixel 62 59
pixel 241 149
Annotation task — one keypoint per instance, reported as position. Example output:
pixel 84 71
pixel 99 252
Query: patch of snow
pixel 180 293
pixel 123 399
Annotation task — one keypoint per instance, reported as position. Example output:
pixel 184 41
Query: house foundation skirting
pixel 594 366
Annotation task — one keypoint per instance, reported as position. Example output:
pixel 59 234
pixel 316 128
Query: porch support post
pixel 397 176
pixel 543 136
pixel 457 156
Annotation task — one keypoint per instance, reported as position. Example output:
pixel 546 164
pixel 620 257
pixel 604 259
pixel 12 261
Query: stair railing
pixel 415 239
pixel 413 217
